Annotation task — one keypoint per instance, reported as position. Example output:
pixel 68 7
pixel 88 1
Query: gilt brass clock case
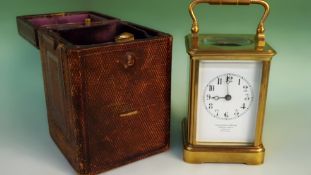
pixel 226 48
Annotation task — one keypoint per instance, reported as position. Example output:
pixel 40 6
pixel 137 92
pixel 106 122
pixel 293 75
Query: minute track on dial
pixel 237 98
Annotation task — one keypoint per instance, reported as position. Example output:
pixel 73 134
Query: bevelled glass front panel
pixel 227 101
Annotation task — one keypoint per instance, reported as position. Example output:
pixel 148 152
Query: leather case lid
pixel 29 25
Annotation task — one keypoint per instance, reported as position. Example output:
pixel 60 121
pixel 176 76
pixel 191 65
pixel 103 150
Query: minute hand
pixel 228 96
pixel 227 82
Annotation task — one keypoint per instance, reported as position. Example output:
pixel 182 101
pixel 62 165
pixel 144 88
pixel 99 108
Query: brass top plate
pixel 226 44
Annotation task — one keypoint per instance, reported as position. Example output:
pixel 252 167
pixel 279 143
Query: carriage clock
pixel 228 89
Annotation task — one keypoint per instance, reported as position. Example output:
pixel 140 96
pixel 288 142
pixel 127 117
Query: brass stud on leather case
pixel 87 21
pixel 124 37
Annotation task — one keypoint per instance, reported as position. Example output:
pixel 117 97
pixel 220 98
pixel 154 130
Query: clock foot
pixel 249 155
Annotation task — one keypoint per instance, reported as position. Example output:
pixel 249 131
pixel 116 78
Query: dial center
pixel 228 97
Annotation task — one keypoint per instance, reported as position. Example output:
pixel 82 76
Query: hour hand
pixel 218 98
pixel 227 98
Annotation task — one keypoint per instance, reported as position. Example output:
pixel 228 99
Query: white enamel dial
pixel 228 96
pixel 227 101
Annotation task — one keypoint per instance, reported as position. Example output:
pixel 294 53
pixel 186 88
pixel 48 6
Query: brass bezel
pixel 194 75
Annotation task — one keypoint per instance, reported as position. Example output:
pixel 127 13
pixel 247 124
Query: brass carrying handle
pixel 260 30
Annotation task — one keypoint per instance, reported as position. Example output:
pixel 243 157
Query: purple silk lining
pixel 101 34
pixel 85 36
pixel 90 35
pixel 52 20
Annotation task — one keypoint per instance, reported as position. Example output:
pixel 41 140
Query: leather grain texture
pixel 108 104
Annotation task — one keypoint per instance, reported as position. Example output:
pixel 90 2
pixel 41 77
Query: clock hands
pixel 228 97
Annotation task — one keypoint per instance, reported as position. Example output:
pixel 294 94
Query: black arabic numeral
pixel 247 97
pixel 243 106
pixel 208 97
pixel 210 106
pixel 226 114
pixel 219 81
pixel 237 113
pixel 245 88
pixel 229 78
pixel 217 112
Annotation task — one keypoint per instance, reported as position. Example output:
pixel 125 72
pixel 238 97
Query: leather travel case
pixel 108 103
